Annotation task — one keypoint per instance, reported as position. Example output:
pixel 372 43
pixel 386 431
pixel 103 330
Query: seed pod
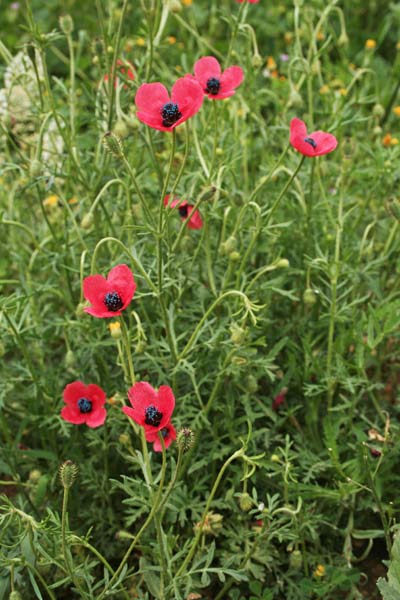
pixel 185 439
pixel 245 502
pixel 113 144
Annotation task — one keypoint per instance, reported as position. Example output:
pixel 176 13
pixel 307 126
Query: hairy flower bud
pixel 228 246
pixel 35 475
pixel 115 330
pixel 66 24
pixel 238 334
pixel 35 168
pixel 283 263
pixel 296 559
pixel 309 296
pixel 68 472
pixel 15 596
pixel 87 220
pixel 175 6
pixel 185 439
pixel 245 502
pixel 69 359
pixel 113 144
pixel 378 111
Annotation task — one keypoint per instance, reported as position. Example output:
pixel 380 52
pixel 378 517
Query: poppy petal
pixel 206 68
pixel 96 417
pixel 151 97
pixel 72 416
pixel 121 278
pixel 73 391
pixel 188 95
pixel 141 395
pixel 231 79
pixel 166 400
pixel 96 394
pixel 94 289
pixel 326 142
pixel 195 221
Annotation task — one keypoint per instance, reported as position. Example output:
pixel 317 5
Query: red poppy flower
pixel 313 144
pixel 216 84
pixel 151 409
pixel 159 111
pixel 169 434
pixel 186 210
pixel 279 399
pixel 109 297
pixel 249 1
pixel 126 71
pixel 85 404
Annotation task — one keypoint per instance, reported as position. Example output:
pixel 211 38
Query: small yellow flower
pixel 343 91
pixel 370 44
pixel 241 112
pixel 396 111
pixel 324 89
pixel 51 201
pixel 319 571
pixel 115 329
pixel 394 141
pixel 140 42
pixel 320 36
pixel 171 39
pixel 271 64
pixel 387 140
pixel 187 2
pixel 73 201
pixel 398 46
pixel 288 37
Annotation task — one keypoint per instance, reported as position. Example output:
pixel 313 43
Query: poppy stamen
pixel 183 211
pixel 153 416
pixel 170 114
pixel 213 86
pixel 85 405
pixel 311 142
pixel 113 301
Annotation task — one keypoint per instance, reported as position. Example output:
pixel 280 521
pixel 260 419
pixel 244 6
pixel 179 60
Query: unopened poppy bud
pixel 296 559
pixel 378 111
pixel 140 347
pixel 245 502
pixel 283 263
pixel 68 472
pixel 343 39
pixel 316 67
pixel 115 330
pixel 275 458
pixel 219 151
pixel 208 192
pixel 87 220
pixel 124 439
pixel 2 349
pixel 95 59
pixel 123 535
pixel 228 246
pixel 256 61
pixel 35 475
pixel 309 296
pixel 238 334
pixel 295 99
pixel 66 24
pixel 35 168
pixel 110 50
pixel 69 359
pixel 175 6
pixel 234 256
pixel 113 144
pixel 377 131
pixel 15 596
pixel 185 439
pixel 251 384
pixel 121 129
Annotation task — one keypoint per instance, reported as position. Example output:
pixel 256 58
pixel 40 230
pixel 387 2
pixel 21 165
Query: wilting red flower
pixel 159 111
pixel 169 435
pixel 313 144
pixel 214 83
pixel 279 399
pixel 150 409
pixel 126 71
pixel 85 404
pixel 109 297
pixel 186 210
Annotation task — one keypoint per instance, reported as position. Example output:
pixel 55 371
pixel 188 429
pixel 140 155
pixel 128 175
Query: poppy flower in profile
pixel 279 399
pixel 160 111
pixel 126 71
pixel 84 404
pixel 216 84
pixel 310 144
pixel 109 297
pixel 169 435
pixel 185 210
pixel 151 409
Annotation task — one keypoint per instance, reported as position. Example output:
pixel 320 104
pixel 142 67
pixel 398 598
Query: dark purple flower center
pixel 113 301
pixel 311 142
pixel 152 416
pixel 164 432
pixel 183 211
pixel 213 85
pixel 85 405
pixel 170 114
